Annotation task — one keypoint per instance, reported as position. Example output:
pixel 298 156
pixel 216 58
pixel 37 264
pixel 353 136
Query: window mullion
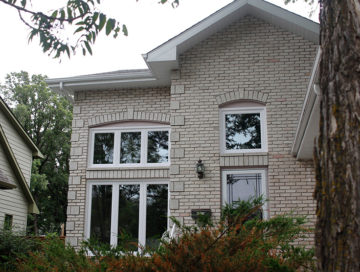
pixel 117 147
pixel 91 148
pixel 142 214
pixel 114 214
pixel 89 202
pixel 143 158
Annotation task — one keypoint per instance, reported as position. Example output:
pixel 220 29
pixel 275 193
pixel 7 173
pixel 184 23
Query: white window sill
pixel 116 168
pixel 259 153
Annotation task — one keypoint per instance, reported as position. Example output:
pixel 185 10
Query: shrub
pixel 241 241
pixel 54 255
pixel 13 246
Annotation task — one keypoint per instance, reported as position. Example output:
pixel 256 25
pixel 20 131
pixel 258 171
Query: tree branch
pixel 20 9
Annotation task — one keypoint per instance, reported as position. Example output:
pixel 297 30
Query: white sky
pixel 149 24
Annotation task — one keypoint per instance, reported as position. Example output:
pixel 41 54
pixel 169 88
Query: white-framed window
pixel 129 146
pixel 138 210
pixel 243 185
pixel 243 130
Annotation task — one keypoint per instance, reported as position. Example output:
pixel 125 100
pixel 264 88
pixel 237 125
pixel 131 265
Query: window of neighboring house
pixel 137 211
pixel 8 222
pixel 129 146
pixel 243 129
pixel 244 185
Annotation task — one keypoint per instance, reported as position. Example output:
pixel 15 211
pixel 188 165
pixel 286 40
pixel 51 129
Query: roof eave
pixel 18 127
pixel 310 102
pixel 119 79
pixel 17 172
pixel 170 50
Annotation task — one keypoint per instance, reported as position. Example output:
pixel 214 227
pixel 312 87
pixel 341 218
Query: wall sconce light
pixel 200 169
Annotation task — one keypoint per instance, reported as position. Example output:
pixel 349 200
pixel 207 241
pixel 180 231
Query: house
pixel 17 151
pixel 227 91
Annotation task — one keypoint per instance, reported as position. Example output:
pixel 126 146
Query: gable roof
pixel 20 130
pixel 17 171
pixel 165 58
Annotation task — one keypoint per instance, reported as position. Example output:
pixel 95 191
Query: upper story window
pixel 132 144
pixel 243 128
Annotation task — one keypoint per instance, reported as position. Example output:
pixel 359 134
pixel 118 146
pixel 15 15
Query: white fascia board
pixel 114 79
pixel 285 19
pixel 271 13
pixel 308 107
pixel 169 48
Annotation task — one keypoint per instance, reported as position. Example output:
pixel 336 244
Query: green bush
pixel 14 246
pixel 241 241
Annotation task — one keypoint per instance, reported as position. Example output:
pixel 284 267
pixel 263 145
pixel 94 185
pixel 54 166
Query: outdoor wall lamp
pixel 200 169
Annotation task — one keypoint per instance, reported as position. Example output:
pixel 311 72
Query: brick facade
pixel 248 61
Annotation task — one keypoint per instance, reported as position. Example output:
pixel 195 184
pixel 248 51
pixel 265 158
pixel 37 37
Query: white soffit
pixel 114 79
pixel 308 125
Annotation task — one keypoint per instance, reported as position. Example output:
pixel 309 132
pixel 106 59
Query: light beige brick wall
pixel 248 60
pixel 101 107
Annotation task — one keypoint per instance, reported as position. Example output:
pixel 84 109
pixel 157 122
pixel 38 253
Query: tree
pixel 83 17
pixel 46 117
pixel 337 156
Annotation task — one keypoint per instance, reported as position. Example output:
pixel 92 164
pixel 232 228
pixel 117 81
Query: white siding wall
pixel 21 151
pixel 12 201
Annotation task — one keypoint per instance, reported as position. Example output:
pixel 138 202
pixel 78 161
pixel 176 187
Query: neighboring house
pixel 228 91
pixel 17 151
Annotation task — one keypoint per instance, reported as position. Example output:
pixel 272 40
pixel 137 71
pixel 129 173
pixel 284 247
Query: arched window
pixel 243 128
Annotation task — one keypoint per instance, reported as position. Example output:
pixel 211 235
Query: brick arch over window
pixel 232 96
pixel 129 115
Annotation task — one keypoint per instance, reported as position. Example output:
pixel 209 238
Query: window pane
pixel 8 222
pixel 128 222
pixel 101 213
pixel 156 213
pixel 130 151
pixel 158 146
pixel 103 148
pixel 242 131
pixel 243 186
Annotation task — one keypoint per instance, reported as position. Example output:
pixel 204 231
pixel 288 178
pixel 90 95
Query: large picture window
pixel 129 146
pixel 243 185
pixel 243 130
pixel 136 210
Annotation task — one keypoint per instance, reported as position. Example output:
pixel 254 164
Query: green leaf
pixel 110 26
pixel 125 30
pixel 23 3
pixel 67 51
pixel 81 28
pixel 62 14
pixel 54 14
pixel 33 33
pixel 102 21
pixel 95 16
pixel 88 47
pixel 70 13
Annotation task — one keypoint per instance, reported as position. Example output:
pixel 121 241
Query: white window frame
pixel 243 110
pixel 263 192
pixel 115 207
pixel 117 144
